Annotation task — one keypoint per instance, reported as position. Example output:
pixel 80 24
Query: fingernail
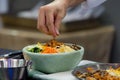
pixel 57 32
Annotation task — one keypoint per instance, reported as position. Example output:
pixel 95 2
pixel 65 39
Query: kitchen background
pixel 97 31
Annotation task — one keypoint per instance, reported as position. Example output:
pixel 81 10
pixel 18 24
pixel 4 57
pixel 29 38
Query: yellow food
pixel 109 74
pixel 114 72
pixel 64 48
pixel 52 47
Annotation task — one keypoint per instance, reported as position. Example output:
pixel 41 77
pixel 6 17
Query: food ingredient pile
pixel 52 47
pixel 91 74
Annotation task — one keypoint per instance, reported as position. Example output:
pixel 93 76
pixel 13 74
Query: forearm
pixel 87 3
pixel 70 3
pixel 74 2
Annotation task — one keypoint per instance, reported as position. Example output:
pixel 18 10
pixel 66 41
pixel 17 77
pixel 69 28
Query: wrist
pixel 66 3
pixel 69 3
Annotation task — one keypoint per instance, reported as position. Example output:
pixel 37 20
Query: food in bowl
pixel 101 71
pixel 52 47
pixel 109 74
pixel 51 61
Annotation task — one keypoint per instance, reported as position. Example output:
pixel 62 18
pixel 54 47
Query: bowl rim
pixel 11 63
pixel 66 53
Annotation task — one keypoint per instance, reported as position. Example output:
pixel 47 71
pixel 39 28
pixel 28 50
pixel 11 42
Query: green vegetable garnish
pixel 35 50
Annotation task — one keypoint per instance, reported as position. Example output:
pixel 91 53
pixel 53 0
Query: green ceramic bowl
pixel 51 63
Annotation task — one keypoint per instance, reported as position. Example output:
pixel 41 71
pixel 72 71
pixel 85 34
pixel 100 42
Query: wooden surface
pixel 97 42
pixel 30 24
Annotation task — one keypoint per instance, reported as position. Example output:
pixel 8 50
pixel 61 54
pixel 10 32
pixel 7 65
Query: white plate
pixel 67 75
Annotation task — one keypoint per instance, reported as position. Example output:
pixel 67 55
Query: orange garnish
pixel 49 50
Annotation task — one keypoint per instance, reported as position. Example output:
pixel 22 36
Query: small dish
pixel 66 75
pixel 96 66
pixel 13 69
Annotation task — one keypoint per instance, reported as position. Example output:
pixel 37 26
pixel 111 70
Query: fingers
pixel 41 21
pixel 49 19
pixel 50 23
pixel 58 21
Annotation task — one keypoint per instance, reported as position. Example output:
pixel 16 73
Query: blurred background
pixel 97 30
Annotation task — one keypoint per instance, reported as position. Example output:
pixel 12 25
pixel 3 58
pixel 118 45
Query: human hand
pixel 50 17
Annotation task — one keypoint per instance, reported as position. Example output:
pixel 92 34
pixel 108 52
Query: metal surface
pixel 13 69
pixel 11 54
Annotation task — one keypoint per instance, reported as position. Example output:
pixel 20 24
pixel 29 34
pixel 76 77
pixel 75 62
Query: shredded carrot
pixel 49 50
